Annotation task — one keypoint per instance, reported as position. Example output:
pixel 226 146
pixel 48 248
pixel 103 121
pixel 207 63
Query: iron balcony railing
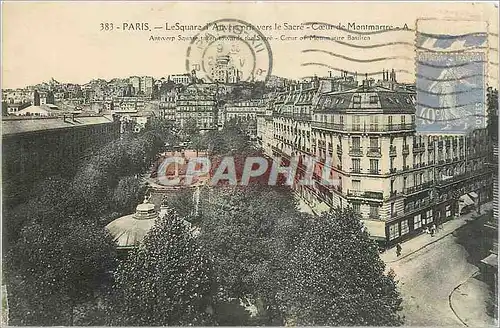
pixel 392 150
pixel 362 127
pixel 374 152
pixel 356 151
pixel 365 194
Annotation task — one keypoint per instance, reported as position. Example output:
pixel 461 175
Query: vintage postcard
pixel 249 163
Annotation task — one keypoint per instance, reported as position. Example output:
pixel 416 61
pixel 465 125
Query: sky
pixel 64 40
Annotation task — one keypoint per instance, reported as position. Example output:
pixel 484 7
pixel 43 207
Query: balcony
pixel 406 149
pixel 392 151
pixel 365 194
pixel 374 172
pixel 392 170
pixel 362 127
pixel 418 148
pixel 420 187
pixel 373 152
pixel 356 151
pixel 357 128
pixel 463 177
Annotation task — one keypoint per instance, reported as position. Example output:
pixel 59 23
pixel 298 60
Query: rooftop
pixel 367 98
pixel 128 231
pixel 17 125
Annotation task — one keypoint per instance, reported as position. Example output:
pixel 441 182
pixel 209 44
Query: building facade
pixel 34 148
pixel 365 136
pixel 142 85
pixel 198 102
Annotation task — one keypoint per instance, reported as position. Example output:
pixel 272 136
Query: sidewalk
pixel 469 303
pixel 423 240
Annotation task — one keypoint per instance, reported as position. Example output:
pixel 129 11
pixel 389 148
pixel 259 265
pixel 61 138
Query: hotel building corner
pixel 398 180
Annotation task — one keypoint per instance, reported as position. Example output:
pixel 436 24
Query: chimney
pixel 330 73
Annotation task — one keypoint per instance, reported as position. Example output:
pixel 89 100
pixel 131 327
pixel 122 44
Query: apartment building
pixel 34 148
pixel 142 85
pixel 198 102
pixel 365 136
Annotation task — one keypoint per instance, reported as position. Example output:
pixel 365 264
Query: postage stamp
pixel 451 70
pixel 230 51
pixel 450 92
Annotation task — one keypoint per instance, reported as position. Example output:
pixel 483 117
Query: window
pixel 417 221
pixel 356 99
pixel 373 99
pixel 404 227
pixel 404 183
pixel 429 216
pixel 393 231
pixel 403 119
pixel 356 207
pixel 374 166
pixel 374 142
pixel 393 213
pixel 374 211
pixel 356 165
pixel 448 211
pixel 356 184
pixel 392 163
pixel 404 161
pixel 356 142
pixel 389 120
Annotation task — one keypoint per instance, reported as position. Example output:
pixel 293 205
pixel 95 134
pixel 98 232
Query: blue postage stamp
pixel 450 92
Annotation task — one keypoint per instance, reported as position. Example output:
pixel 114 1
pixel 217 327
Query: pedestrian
pixel 433 230
pixel 427 230
pixel 398 250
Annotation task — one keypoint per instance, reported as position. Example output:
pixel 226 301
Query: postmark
pixel 230 51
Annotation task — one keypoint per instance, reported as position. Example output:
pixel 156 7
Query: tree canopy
pixel 335 277
pixel 166 281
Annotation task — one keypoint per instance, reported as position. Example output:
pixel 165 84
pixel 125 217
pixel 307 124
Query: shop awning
pixel 473 195
pixel 466 200
pixel 491 260
pixel 376 229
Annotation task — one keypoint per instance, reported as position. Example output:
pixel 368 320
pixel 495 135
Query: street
pixel 428 277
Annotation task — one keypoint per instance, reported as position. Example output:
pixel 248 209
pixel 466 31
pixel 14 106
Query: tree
pixel 127 194
pixel 190 127
pixel 335 277
pixel 245 231
pixel 165 281
pixel 53 270
pixel 198 142
pixel 181 202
